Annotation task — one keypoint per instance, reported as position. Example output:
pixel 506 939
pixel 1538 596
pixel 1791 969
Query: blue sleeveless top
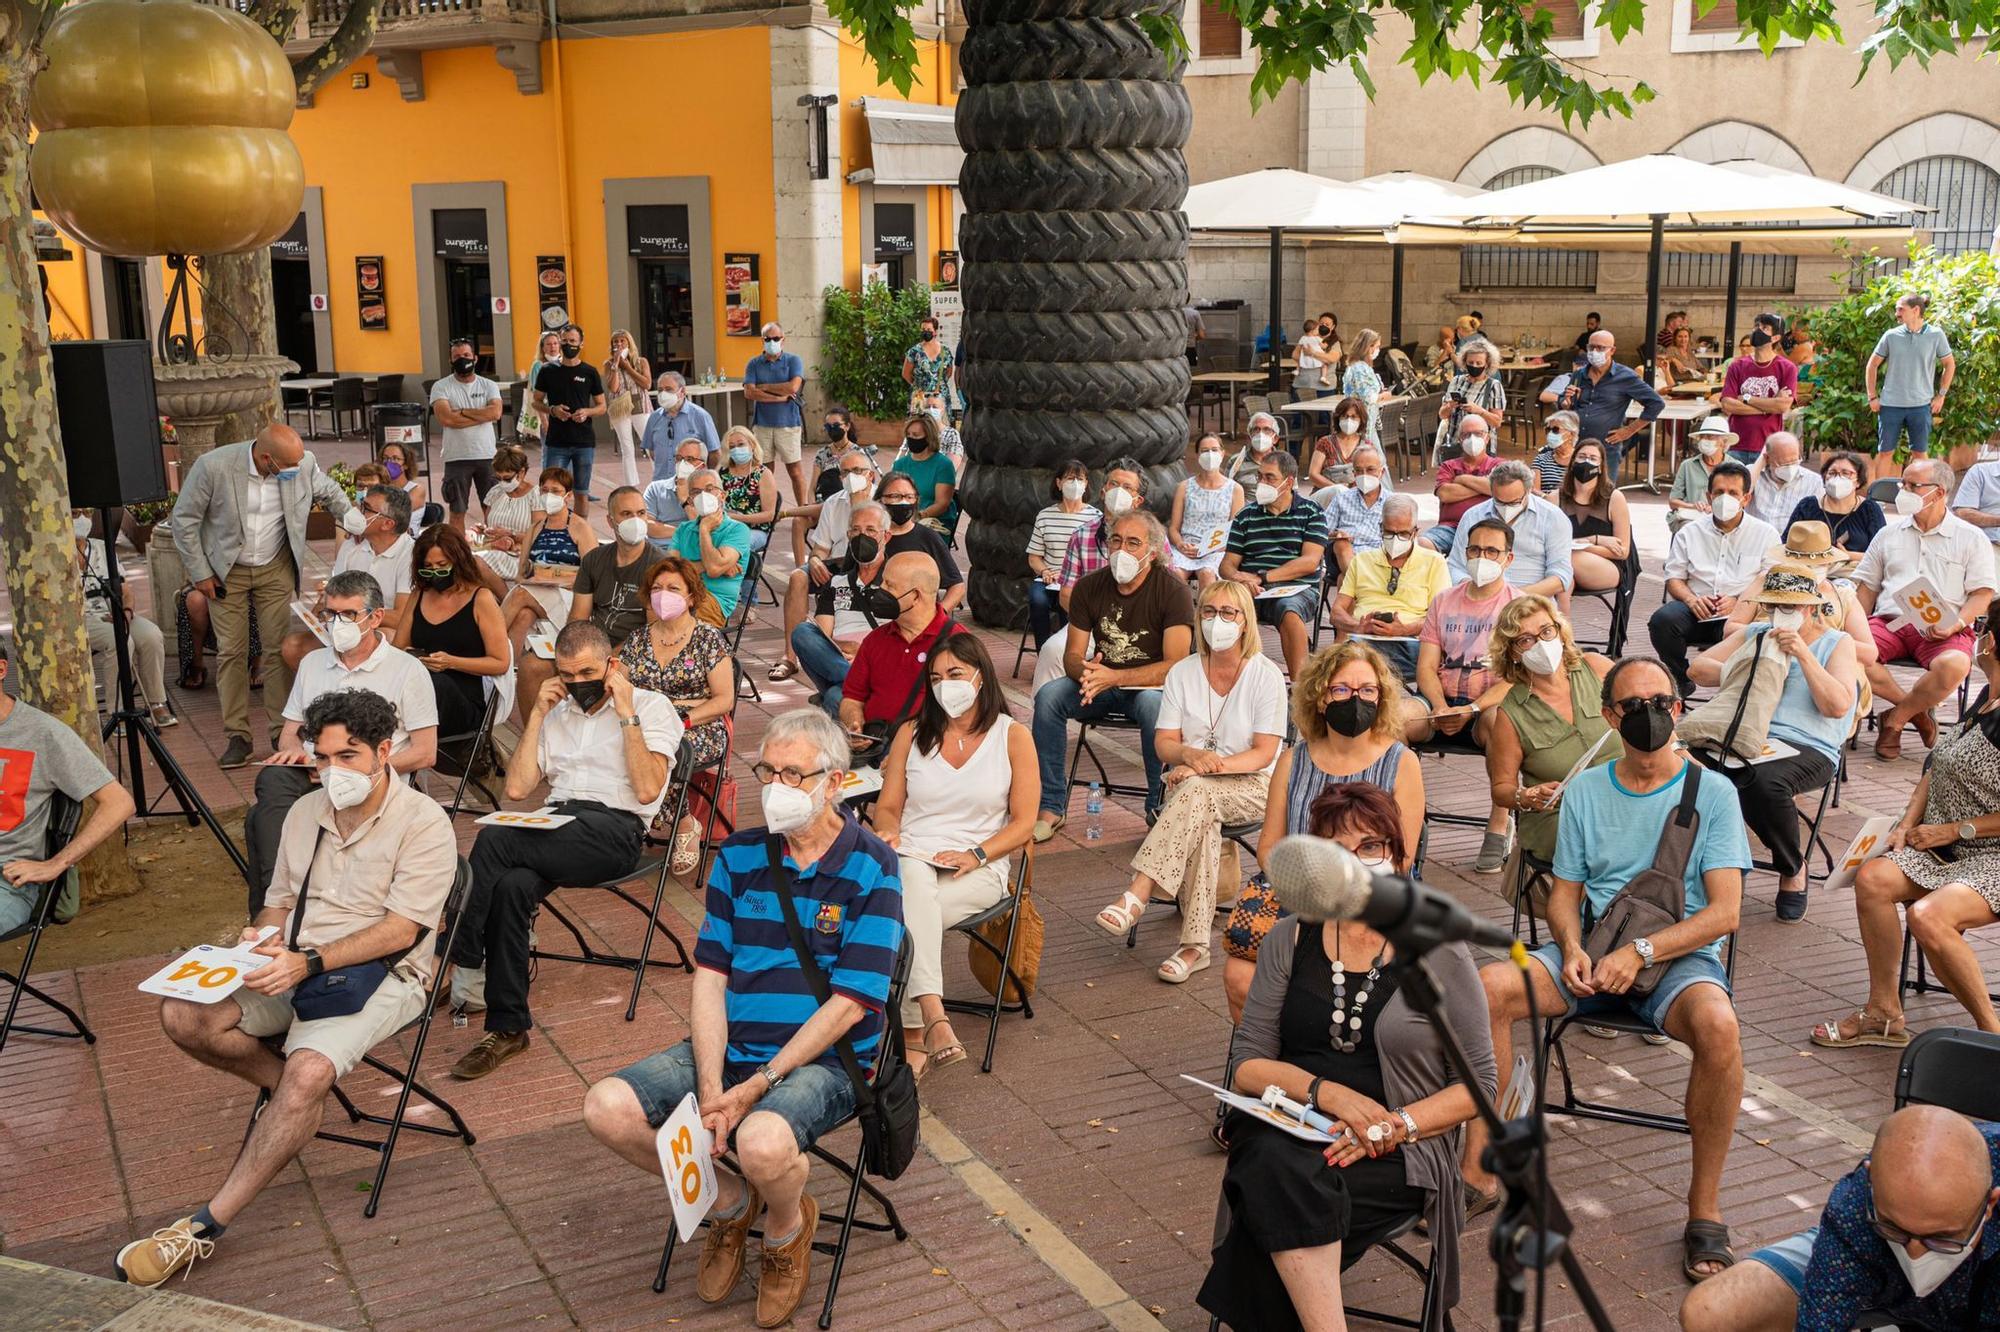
pixel 554 545
pixel 1307 781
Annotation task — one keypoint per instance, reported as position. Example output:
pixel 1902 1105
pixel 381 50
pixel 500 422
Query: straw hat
pixel 1809 543
pixel 1718 425
pixel 1789 585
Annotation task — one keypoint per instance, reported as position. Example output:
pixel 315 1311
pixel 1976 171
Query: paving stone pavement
pixel 1084 1118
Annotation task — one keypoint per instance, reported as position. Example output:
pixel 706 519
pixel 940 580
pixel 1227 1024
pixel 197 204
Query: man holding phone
pixel 1388 590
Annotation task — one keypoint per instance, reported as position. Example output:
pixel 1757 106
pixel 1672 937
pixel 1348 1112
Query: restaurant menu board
pixel 552 286
pixel 742 296
pixel 948 269
pixel 371 291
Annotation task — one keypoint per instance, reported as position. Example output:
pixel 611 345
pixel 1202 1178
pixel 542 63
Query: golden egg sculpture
pixel 161 129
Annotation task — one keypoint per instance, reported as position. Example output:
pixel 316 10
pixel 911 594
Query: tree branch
pixel 352 39
pixel 277 17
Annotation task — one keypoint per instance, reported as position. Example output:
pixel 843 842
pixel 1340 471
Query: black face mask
pixel 863 549
pixel 464 365
pixel 1326 330
pixel 836 432
pixel 587 693
pixel 435 573
pixel 918 443
pixel 1584 471
pixel 572 350
pixel 1647 730
pixel 1475 372
pixel 881 603
pixel 1351 717
pixel 901 513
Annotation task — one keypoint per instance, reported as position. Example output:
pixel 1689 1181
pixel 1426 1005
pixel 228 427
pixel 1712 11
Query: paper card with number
pixel 1282 590
pixel 860 782
pixel 205 974
pixel 1870 842
pixel 687 1162
pixel 1921 605
pixel 540 820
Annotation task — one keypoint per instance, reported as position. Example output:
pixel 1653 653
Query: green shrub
pixel 1964 291
pixel 862 344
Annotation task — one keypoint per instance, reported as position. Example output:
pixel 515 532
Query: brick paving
pixel 1085 1116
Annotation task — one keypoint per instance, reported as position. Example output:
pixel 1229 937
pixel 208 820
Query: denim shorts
pixel 1682 972
pixel 814 1100
pixel 1788 1258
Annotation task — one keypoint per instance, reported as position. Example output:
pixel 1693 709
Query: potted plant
pixel 139 520
pixel 319 523
pixel 863 340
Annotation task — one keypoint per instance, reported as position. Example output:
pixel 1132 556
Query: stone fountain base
pixel 198 396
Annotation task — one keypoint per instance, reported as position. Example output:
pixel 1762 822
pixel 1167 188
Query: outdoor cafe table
pixel 1236 379
pixel 308 387
pixel 727 389
pixel 1675 416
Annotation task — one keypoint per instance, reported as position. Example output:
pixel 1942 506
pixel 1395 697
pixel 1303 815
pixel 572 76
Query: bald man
pixel 1906 1235
pixel 885 681
pixel 240 528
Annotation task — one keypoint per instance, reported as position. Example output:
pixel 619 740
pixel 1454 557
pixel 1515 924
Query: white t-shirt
pixel 1206 720
pixel 391 569
pixel 830 532
pixel 468 443
pixel 388 671
pixel 583 753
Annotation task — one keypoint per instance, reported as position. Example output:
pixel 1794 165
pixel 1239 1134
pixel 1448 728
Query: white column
pixel 1333 125
pixel 804 60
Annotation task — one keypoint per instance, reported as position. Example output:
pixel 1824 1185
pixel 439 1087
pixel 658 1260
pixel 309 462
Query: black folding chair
pixel 1022 649
pixel 992 1008
pixel 64 816
pixel 1426 1271
pixel 342 397
pixel 1530 870
pixel 854 1170
pixel 1618 601
pixel 1083 749
pixel 464 749
pixel 656 861
pixel 1955 1067
pixel 1921 982
pixel 406 1077
pixel 732 631
pixel 1828 796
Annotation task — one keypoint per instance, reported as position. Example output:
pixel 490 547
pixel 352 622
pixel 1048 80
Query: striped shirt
pixel 1052 531
pixel 850 904
pixel 1264 540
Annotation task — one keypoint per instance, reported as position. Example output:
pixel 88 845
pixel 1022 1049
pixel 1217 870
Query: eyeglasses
pixel 1895 1234
pixel 1375 848
pixel 1485 552
pixel 349 617
pixel 1221 613
pixel 1626 707
pixel 1547 634
pixel 1366 693
pixel 766 774
pixel 1914 486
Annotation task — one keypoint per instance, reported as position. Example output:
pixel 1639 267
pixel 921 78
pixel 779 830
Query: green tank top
pixel 1551 746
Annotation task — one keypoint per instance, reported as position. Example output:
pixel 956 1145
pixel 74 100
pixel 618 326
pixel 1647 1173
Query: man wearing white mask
pixel 1602 394
pixel 1542 535
pixel 1124 491
pixel 676 417
pixel 1779 481
pixel 1462 480
pixel 359 657
pixel 610 585
pixel 1387 591
pixel 362 876
pixel 1925 540
pixel 1280 541
pixel 1906 1237
pixel 1140 619
pixel 763 1059
pixel 1355 520
pixel 716 543
pixel 1688 500
pixel 1264 436
pixel 606 749
pixel 1710 564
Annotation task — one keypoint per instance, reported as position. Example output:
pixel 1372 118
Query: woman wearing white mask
pixel 511 508
pixel 1814 715
pixel 1599 520
pixel 1552 459
pixel 626 374
pixel 1203 506
pixel 1688 500
pixel 959 790
pixel 554 547
pixel 1222 715
pixel 1851 518
pixel 1331 463
pixel 1048 542
pixel 749 485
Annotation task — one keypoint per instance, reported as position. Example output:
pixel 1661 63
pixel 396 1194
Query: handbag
pixel 342 991
pixel 1025 961
pixel 1735 723
pixel 887 1107
pixel 1656 896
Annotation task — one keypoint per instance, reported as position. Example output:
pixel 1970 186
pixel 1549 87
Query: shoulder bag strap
pixel 774 846
pixel 1671 856
pixel 305 885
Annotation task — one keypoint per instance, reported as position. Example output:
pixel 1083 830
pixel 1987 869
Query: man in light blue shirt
pixel 1921 366
pixel 771 385
pixel 676 417
pixel 1978 498
pixel 1541 534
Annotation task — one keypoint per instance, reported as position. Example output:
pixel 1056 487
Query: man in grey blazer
pixel 240 528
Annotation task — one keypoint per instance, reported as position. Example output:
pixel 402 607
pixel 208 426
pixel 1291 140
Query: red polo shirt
pixel 884 675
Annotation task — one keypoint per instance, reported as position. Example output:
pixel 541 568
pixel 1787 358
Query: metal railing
pixel 324 16
pixel 1483 266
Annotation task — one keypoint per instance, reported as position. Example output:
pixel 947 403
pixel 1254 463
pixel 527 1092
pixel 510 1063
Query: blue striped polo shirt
pixel 850 904
pixel 1264 540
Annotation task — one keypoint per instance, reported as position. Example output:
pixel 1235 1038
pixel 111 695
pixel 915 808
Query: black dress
pixel 1281 1192
pixel 461 697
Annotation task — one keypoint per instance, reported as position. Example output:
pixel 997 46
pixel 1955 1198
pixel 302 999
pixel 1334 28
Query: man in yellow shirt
pixel 1387 590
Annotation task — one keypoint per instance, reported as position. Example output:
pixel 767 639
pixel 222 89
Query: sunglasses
pixel 1626 707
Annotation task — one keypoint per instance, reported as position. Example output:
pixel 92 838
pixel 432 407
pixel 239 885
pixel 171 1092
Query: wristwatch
pixel 1967 832
pixel 314 966
pixel 771 1080
pixel 631 721
pixel 979 852
pixel 1644 948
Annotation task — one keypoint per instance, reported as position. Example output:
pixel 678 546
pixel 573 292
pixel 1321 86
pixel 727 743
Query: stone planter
pixel 168 575
pixel 873 434
pixel 198 396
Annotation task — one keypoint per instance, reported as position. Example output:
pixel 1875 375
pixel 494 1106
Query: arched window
pixel 1481 266
pixel 1966 194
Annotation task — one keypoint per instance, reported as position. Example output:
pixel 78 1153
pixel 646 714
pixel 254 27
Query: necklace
pixel 1346 1027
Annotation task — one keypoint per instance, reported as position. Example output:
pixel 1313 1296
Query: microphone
pixel 1318 879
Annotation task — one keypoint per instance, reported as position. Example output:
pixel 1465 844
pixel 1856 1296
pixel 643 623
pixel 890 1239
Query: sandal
pixel 782 671
pixel 1705 1242
pixel 195 677
pixel 163 716
pixel 944 1056
pixel 687 850
pixel 1175 971
pixel 1829 1034
pixel 1046 825
pixel 1118 918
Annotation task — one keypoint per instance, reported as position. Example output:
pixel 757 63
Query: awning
pixel 912 144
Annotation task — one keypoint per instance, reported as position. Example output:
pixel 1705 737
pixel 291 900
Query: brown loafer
pixel 1889 742
pixel 1926 725
pixel 722 1252
pixel 787 1269
pixel 493 1050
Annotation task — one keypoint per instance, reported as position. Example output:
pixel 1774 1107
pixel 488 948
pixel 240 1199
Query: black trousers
pixel 513 869
pixel 1674 630
pixel 1768 792
pixel 278 789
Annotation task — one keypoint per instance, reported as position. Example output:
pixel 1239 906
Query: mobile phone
pixel 1944 855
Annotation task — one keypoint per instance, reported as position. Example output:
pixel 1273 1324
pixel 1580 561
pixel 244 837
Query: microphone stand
pixel 1515 1153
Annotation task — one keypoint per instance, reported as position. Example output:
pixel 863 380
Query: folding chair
pixel 1618 602
pixel 64 815
pixel 466 747
pixel 1530 870
pixel 1426 1271
pixel 1022 649
pixel 385 1147
pixel 892 1030
pixel 1955 1067
pixel 1625 1022
pixel 1083 748
pixel 991 1009
pixel 753 578
pixel 655 860
pixel 1922 983
pixel 1827 795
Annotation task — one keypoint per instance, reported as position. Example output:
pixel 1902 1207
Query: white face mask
pixel 345 788
pixel 1367 484
pixel 632 531
pixel 80 526
pixel 1909 503
pixel 1073 489
pixel 1725 508
pixel 343 636
pixel 355 520
pixel 1261 441
pixel 1350 425
pixel 1556 438
pixel 1709 445
pixel 772 346
pixel 955 696
pixel 1839 487
pixel 935 413
pixel 856 482
pixel 1396 547
pixel 1783 472
pixel 552 504
pixel 1376 864
pixel 1927 1273
pixel 788 808
pixel 1116 500
pixel 1544 658
pixel 1482 571
pixel 683 469
pixel 1473 446
pixel 705 504
pixel 1507 513
pixel 1267 493
pixel 1788 617
pixel 1597 356
pixel 1221 634
pixel 1124 566
pixel 668 399
pixel 1208 460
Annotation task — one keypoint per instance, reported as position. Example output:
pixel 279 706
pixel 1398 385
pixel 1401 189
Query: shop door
pixel 468 306
pixel 666 315
pixel 125 299
pixel 291 296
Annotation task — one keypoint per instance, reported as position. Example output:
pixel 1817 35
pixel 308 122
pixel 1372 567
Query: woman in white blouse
pixel 959 791
pixel 1222 714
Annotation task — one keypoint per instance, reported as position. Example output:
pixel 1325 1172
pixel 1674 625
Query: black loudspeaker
pixel 110 422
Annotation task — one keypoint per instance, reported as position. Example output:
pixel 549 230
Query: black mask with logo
pixel 1351 717
pixel 1647 729
pixel 572 350
pixel 881 603
pixel 587 693
pixel 1584 471
pixel 900 514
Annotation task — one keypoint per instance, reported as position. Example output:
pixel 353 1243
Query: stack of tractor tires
pixel 1075 267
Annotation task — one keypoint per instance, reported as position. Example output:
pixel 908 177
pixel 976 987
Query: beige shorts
pixel 780 443
pixel 341 1040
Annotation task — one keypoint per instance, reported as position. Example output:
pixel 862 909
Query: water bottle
pixel 1093 809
